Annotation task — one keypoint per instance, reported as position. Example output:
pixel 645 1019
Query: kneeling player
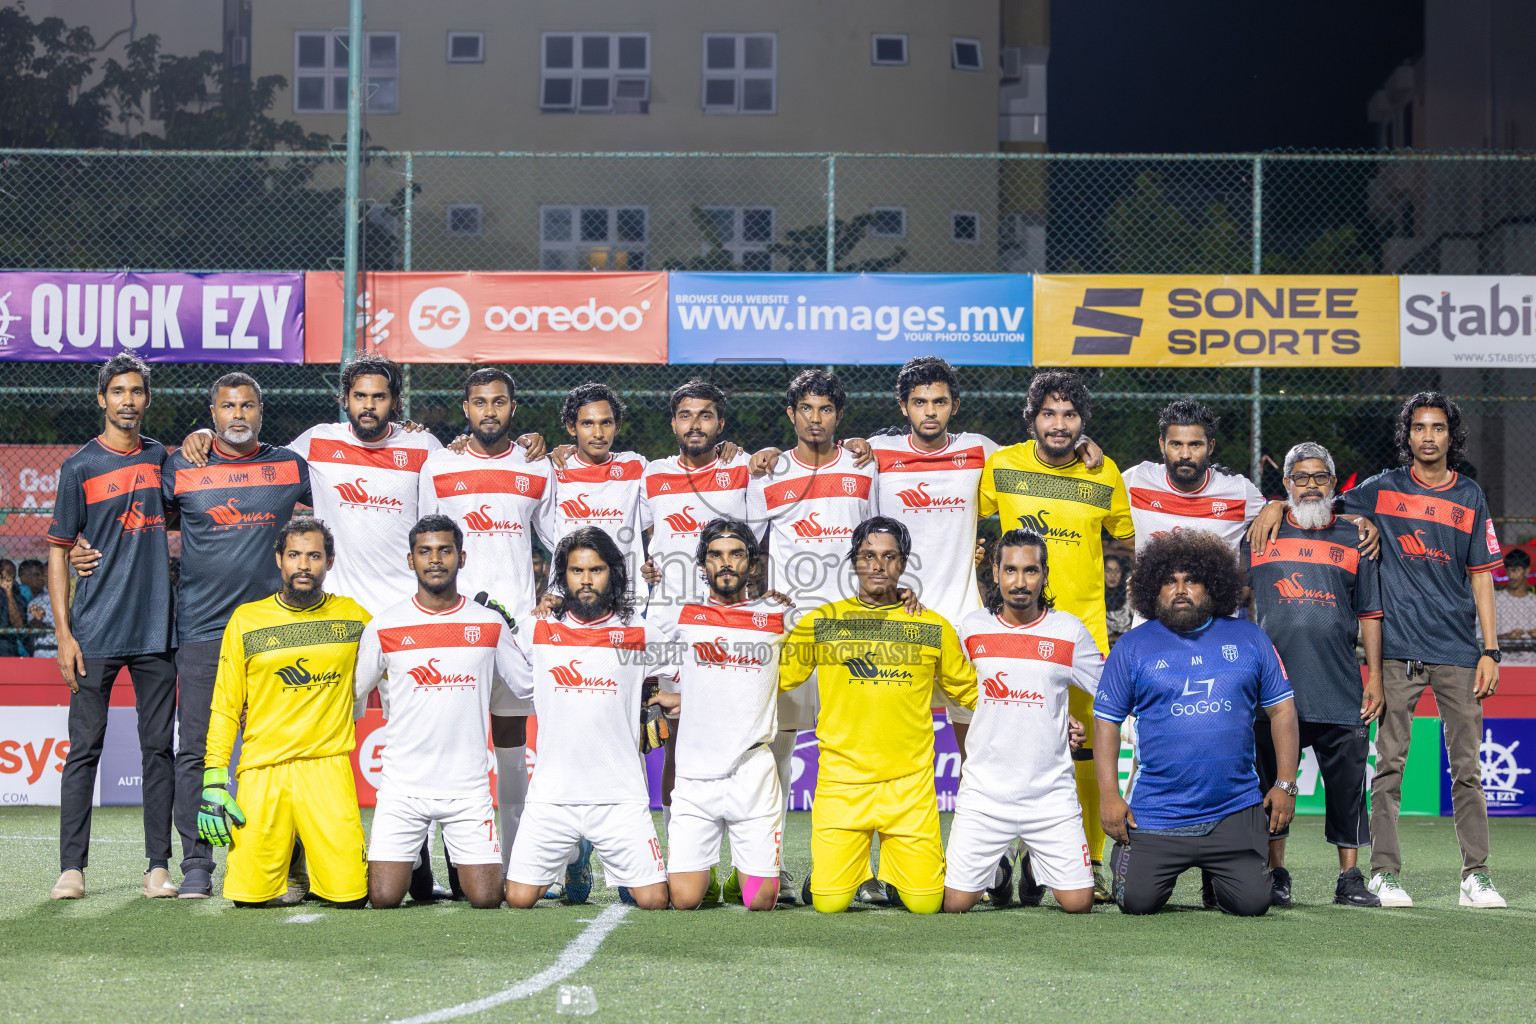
pixel 435 658
pixel 1018 781
pixel 588 665
pixel 875 665
pixel 286 666
pixel 728 679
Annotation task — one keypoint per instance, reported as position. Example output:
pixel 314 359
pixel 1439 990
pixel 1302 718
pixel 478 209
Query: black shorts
pixel 1341 751
pixel 1235 853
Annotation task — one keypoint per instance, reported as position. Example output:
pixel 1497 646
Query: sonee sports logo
pixel 1091 314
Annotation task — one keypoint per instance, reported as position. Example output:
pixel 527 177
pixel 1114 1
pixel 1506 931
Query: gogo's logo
pixel 439 317
pixel 1209 706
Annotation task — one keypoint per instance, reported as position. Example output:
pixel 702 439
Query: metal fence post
pixel 1257 454
pixel 410 195
pixel 831 212
pixel 355 43
pixel 405 390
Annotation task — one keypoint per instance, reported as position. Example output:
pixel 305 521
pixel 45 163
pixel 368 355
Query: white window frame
pixel 453 208
pixel 478 36
pixel 575 253
pixel 331 72
pixel 874 50
pixel 975 227
pixel 955 42
pixel 874 233
pixel 634 80
pixel 739 74
pixel 737 245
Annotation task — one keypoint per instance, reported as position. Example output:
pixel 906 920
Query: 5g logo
pixel 439 317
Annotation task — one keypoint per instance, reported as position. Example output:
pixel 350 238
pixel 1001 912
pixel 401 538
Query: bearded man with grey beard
pixel 1313 593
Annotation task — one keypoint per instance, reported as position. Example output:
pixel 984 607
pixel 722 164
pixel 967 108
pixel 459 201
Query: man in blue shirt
pixel 1195 679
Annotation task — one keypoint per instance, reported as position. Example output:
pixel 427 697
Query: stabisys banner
pixel 1468 321
pixel 161 318
pixel 494 317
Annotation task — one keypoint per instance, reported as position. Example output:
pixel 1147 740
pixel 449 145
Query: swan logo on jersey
pixel 430 675
pixel 297 677
pixel 810 529
pixel 1046 649
pixel 1293 591
pixel 865 668
pixel 718 653
pixel 401 458
pixel 229 515
pixel 356 495
pixel 481 521
pixel 471 634
pixel 1414 548
pixel 683 522
pixel 1229 651
pixel 577 508
pixel 1038 524
pixel 998 692
pixel 569 677
pixel 1218 507
pixel 135 521
pixel 918 497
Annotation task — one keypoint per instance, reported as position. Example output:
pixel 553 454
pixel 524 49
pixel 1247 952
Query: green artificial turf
pixel 120 958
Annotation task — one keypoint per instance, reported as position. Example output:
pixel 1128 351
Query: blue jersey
pixel 1194 696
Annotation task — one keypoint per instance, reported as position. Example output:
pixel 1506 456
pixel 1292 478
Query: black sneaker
pixel 1352 891
pixel 1207 890
pixel 1279 887
pixel 1031 892
pixel 806 899
pixel 1001 894
pixel 424 887
pixel 197 884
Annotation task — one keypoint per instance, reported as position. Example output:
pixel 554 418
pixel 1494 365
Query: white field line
pixel 572 959
pixel 302 918
pixel 54 839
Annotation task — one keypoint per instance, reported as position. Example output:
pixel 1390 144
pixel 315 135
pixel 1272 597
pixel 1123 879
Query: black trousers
pixel 1235 854
pixel 154 697
pixel 197 665
pixel 1341 752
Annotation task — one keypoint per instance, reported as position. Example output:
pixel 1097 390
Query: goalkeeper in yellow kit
pixel 875 668
pixel 287 663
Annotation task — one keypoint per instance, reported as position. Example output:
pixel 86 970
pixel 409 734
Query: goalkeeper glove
pixel 653 719
pixel 217 808
pixel 494 605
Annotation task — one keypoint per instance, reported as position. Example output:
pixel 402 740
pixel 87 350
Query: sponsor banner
pixel 1467 321
pixel 164 318
pixel 1215 320
pixel 495 318
pixel 974 319
pixel 33 744
pixel 29 477
pixel 1508 754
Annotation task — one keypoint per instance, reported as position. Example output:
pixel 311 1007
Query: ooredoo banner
pixel 161 318
pixel 1172 320
pixel 969 319
pixel 495 318
pixel 1468 321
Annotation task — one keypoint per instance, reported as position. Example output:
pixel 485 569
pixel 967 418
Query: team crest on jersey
pixel 1336 554
pixel 269 473
pixel 400 457
pixel 849 485
pixel 722 479
pixel 616 472
pixel 959 460
pixel 1047 648
pixel 616 637
pixel 1458 514
pixel 911 633
pixel 1229 651
pixel 522 485
pixel 1218 507
pixel 759 619
pixel 471 634
pixel 340 629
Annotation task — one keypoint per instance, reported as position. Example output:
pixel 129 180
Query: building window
pixel 466 47
pixel 965 54
pixel 320 72
pixel 963 226
pixel 464 218
pixel 888 50
pixel 888 222
pixel 592 237
pixel 745 232
pixel 740 74
pixel 596 73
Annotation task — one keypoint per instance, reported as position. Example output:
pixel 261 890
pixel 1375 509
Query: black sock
pixel 159 864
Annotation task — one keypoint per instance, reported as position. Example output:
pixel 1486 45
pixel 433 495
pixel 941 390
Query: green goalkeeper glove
pixel 217 808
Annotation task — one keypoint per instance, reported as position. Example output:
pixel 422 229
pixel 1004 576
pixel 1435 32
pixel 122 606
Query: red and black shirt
pixel 1431 539
pixel 112 498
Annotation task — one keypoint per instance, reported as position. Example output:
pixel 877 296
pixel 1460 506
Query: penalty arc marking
pixel 572 959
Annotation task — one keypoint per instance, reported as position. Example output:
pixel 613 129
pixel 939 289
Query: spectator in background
pixel 40 616
pixel 1117 608
pixel 540 572
pixel 32 581
pixel 1515 609
pixel 15 608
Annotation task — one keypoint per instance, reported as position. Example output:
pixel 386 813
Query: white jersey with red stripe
pixel 498 501
pixel 435 672
pixel 606 495
pixel 366 492
pixel 1017 762
pixel 1224 504
pixel 934 495
pixel 585 679
pixel 729 678
pixel 680 502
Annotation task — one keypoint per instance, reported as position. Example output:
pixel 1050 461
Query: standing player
pixel 1313 594
pixel 587 667
pixel 285 682
pixel 500 499
pixel 121 618
pixel 875 664
pixel 437 658
pixel 1042 485
pixel 728 678
pixel 1018 781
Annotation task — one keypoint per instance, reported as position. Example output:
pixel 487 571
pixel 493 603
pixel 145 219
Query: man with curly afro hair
pixel 1195 679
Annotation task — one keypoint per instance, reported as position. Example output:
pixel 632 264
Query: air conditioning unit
pixel 632 95
pixel 1012 63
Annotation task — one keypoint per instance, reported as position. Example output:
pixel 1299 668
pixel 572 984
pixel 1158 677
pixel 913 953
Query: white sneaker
pixel 1383 885
pixel 1477 891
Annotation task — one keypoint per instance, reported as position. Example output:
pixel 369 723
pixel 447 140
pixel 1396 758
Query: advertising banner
pixel 1467 321
pixel 29 477
pixel 1215 320
pixel 974 319
pixel 33 744
pixel 495 318
pixel 161 318
pixel 1508 754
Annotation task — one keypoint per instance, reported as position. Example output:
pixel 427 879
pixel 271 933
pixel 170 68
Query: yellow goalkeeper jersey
pixel 290 670
pixel 875 669
pixel 1070 506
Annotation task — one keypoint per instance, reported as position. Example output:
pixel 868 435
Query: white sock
pixel 783 748
pixel 511 790
pixel 666 823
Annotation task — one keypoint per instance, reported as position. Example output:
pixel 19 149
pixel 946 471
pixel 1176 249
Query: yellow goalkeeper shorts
pixel 313 799
pixel 905 812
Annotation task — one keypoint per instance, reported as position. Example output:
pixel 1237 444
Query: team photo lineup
pixel 715 603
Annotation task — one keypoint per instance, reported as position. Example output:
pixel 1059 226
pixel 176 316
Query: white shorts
pixel 954 713
pixel 623 835
pixel 401 823
pixel 504 704
pixel 798 707
pixel 747 803
pixel 1058 850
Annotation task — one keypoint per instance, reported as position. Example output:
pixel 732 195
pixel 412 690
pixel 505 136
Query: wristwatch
pixel 1494 653
pixel 1288 787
